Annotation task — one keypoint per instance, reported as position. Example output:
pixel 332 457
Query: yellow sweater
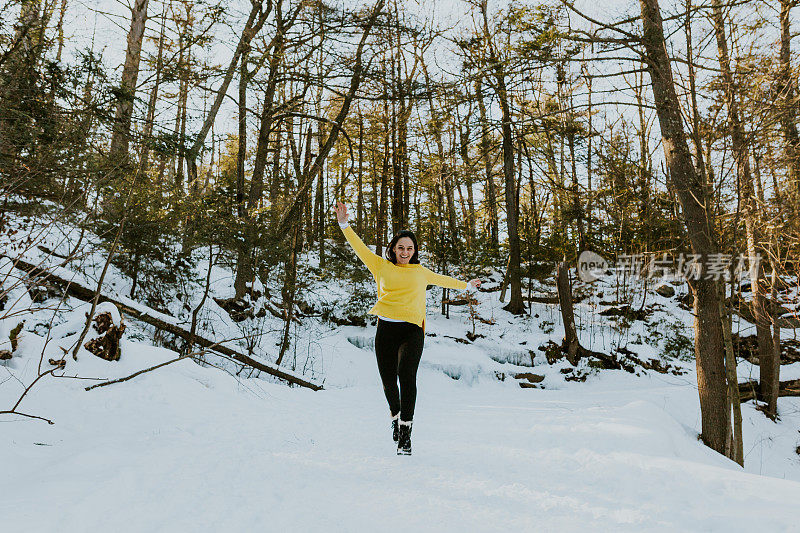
pixel 401 288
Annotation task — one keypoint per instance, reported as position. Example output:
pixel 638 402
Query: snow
pixel 192 448
pixel 198 448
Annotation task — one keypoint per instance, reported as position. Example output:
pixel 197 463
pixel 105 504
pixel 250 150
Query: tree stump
pixel 106 346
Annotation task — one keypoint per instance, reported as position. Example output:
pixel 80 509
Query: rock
pixel 5 355
pixel 745 310
pixel 667 291
pixel 349 320
pixel 626 311
pixel 40 291
pixel 238 310
pixel 747 348
pixel 686 301
pixel 532 378
pixel 13 336
pixel 745 286
pixel 552 352
pixel 789 322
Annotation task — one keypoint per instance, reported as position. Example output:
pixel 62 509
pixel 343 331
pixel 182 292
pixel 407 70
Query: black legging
pixel 398 346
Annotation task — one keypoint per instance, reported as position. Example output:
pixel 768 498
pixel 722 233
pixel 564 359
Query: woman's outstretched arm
pixel 368 257
pixel 448 282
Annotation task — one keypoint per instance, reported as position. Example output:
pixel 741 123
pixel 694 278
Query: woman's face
pixel 403 250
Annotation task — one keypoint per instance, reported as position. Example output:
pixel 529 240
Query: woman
pixel 400 309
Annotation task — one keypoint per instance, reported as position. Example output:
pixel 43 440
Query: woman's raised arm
pixel 372 260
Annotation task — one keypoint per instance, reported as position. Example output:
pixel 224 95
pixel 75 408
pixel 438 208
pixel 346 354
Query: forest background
pixel 509 136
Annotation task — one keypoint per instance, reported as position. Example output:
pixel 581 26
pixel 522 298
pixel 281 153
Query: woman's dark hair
pixel 391 256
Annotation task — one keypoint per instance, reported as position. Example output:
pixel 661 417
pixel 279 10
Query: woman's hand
pixel 474 283
pixel 341 212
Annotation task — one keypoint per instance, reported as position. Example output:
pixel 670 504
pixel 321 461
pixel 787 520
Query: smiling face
pixel 403 250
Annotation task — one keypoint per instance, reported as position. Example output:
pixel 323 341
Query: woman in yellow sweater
pixel 399 339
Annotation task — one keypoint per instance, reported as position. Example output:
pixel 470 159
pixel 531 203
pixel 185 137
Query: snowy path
pixel 185 449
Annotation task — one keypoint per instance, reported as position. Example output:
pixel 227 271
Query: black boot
pixel 404 439
pixel 395 429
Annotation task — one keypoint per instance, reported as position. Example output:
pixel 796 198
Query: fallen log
pixel 749 390
pixel 554 299
pixel 146 315
pixel 747 348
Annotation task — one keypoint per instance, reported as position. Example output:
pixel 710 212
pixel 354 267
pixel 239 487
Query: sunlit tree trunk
pixel 788 108
pixel 691 192
pixel 491 195
pixel 149 123
pixel 120 135
pixel 768 377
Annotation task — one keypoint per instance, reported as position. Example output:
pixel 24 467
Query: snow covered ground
pixel 188 448
pixel 193 448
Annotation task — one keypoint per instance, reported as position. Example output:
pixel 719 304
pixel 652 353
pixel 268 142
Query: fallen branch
pixel 27 415
pixel 82 293
pixel 140 372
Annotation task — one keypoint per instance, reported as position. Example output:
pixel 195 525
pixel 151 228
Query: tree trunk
pixel 773 388
pixel 241 153
pixel 290 289
pixel 255 21
pixel 404 112
pixel 60 30
pixel 491 196
pixel 360 178
pixel 576 197
pixel 470 208
pixel 735 448
pixel 516 305
pixel 695 133
pixel 741 153
pixel 570 342
pixel 147 134
pixel 397 176
pixel 691 192
pixel 320 210
pixel 383 205
pixel 245 267
pixel 183 105
pixel 375 197
pixel 120 135
pixel 590 138
pixel 788 107
pixel 355 82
